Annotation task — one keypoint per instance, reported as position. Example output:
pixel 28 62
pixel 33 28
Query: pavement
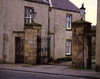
pixel 55 69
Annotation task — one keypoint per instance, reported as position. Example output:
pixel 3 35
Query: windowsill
pixel 68 29
pixel 69 55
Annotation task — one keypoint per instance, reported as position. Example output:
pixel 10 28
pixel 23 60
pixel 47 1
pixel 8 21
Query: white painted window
pixel 28 16
pixel 68 21
pixel 68 47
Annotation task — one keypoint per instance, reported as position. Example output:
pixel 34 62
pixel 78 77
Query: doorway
pixel 19 53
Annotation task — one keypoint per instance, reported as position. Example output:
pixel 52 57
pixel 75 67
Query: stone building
pixel 62 13
pixel 98 38
pixel 14 14
pixel 52 26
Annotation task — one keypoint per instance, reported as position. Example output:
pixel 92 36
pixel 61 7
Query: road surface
pixel 9 74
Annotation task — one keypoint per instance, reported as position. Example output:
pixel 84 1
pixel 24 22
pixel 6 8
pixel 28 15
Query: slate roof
pixel 59 4
pixel 64 5
pixel 38 1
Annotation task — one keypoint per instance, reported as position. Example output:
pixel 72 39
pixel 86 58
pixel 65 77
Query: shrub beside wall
pixel 63 59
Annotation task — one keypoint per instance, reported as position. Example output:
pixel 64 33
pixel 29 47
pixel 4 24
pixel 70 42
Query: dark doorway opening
pixel 38 50
pixel 19 54
pixel 89 52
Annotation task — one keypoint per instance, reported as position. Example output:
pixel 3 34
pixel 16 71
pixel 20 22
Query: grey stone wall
pixel 98 39
pixel 1 31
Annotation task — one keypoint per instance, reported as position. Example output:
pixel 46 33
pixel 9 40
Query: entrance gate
pixel 42 50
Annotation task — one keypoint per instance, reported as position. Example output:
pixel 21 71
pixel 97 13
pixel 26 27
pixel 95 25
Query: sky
pixel 91 9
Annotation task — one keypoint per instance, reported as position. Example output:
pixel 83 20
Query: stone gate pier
pixel 32 33
pixel 81 42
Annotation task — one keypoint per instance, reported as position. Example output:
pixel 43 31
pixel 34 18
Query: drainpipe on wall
pixel 48 44
pixel 83 47
pixel 54 37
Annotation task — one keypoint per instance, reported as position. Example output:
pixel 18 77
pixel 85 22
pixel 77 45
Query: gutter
pixel 66 10
pixel 37 2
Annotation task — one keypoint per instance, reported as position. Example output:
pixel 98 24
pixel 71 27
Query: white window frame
pixel 68 47
pixel 28 16
pixel 68 21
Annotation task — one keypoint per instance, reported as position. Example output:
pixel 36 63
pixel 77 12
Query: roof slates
pixel 65 5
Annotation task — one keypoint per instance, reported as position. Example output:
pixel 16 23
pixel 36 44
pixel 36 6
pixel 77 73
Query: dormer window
pixel 28 16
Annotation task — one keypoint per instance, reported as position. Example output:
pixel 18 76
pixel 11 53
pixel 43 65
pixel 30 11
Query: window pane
pixel 67 43
pixel 68 22
pixel 68 25
pixel 27 17
pixel 31 10
pixel 70 17
pixel 27 20
pixel 68 47
pixel 25 13
pixel 67 18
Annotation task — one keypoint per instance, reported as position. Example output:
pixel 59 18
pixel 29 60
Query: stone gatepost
pixel 32 31
pixel 80 45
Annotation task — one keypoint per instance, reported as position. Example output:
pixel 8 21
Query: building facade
pixel 55 21
pixel 13 15
pixel 61 17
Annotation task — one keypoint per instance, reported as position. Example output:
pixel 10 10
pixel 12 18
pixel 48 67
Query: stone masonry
pixel 80 49
pixel 32 31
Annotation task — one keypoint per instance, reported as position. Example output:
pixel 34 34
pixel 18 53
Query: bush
pixel 63 59
pixel 93 57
